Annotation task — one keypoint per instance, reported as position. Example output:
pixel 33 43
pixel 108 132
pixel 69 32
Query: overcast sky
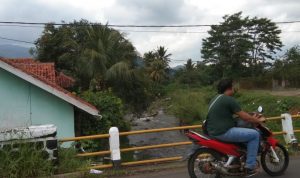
pixel 148 12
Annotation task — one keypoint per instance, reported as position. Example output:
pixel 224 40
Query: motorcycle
pixel 215 158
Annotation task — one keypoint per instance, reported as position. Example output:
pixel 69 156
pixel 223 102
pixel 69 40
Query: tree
pixel 288 68
pixel 149 58
pixel 87 52
pixel 189 66
pixel 99 58
pixel 107 56
pixel 60 45
pixel 163 56
pixel 265 42
pixel 197 75
pixel 157 64
pixel 239 44
pixel 112 112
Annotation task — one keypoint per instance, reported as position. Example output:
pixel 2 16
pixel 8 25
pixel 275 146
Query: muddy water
pixel 161 120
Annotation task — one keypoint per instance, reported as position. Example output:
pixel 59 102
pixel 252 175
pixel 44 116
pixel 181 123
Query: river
pixel 161 120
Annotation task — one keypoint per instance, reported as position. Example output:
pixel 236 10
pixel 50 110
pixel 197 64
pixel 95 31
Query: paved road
pixel 292 172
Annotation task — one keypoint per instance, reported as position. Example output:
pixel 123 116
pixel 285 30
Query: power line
pixel 130 26
pixel 156 31
pixel 191 32
pixel 288 22
pixel 13 25
pixel 138 31
pixel 10 39
pixel 110 25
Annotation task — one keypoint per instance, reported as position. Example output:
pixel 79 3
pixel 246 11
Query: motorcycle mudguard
pixel 272 141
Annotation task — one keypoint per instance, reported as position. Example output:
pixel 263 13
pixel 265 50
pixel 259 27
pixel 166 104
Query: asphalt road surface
pixel 293 171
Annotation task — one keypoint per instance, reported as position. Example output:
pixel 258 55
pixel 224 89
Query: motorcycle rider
pixel 222 125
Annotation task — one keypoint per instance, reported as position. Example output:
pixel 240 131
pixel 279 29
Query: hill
pixel 14 51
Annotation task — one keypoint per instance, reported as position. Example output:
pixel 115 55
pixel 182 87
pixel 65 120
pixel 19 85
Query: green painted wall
pixel 23 104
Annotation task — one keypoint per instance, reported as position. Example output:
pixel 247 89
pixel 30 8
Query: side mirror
pixel 260 109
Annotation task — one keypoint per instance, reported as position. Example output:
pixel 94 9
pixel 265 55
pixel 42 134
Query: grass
pixel 190 104
pixel 23 160
pixel 69 162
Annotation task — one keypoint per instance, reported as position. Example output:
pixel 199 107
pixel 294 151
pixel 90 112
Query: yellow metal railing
pixel 107 152
pixel 130 133
pixel 138 162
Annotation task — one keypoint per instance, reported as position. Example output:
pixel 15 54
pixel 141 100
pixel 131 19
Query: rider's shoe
pixel 250 172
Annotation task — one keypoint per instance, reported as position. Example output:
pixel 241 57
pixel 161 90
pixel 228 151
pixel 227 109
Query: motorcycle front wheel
pixel 269 164
pixel 199 164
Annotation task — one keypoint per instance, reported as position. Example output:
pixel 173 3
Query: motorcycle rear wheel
pixel 272 168
pixel 198 167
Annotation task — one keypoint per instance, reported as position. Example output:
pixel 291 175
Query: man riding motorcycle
pixel 222 125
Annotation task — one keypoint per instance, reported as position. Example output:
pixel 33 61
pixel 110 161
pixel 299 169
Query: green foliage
pixel 98 57
pixel 24 160
pixel 188 105
pixel 59 45
pixel 135 93
pixel 240 46
pixel 288 68
pixel 107 55
pixel 157 64
pixel 197 76
pixel 69 162
pixel 273 105
pixel 111 109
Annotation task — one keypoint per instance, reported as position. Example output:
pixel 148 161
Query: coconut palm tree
pixel 108 55
pixel 157 63
pixel 189 66
pixel 157 71
pixel 161 53
pixel 149 57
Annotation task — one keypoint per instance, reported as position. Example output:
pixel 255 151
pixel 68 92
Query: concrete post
pixel 114 144
pixel 287 126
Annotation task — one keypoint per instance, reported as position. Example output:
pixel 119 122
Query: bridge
pixel 291 172
pixel 115 150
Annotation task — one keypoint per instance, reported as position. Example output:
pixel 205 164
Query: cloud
pixel 148 12
pixel 151 12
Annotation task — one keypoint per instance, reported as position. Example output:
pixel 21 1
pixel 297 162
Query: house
pixel 33 93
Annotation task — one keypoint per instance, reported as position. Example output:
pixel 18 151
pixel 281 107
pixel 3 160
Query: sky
pixel 181 45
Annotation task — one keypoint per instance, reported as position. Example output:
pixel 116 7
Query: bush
pixel 111 110
pixel 189 106
pixel 273 105
pixel 24 160
pixel 69 162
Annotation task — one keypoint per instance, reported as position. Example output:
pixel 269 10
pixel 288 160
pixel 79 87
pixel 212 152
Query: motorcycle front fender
pixel 272 141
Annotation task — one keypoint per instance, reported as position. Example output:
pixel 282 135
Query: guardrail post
pixel 287 126
pixel 114 144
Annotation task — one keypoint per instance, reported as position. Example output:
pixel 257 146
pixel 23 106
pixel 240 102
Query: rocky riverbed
pixel 161 120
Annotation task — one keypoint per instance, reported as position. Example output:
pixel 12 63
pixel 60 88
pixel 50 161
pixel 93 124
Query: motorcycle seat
pixel 240 144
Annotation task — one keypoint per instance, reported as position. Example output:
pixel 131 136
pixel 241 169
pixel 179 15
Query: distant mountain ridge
pixel 14 51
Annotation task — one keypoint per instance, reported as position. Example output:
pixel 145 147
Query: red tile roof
pixel 63 80
pixel 45 72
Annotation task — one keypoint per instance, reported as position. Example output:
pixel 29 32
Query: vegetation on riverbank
pixel 190 104
pixel 23 159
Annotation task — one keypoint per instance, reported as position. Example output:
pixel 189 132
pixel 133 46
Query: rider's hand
pixel 262 119
pixel 259 118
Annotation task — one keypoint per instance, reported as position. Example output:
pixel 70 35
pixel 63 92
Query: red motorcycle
pixel 216 159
